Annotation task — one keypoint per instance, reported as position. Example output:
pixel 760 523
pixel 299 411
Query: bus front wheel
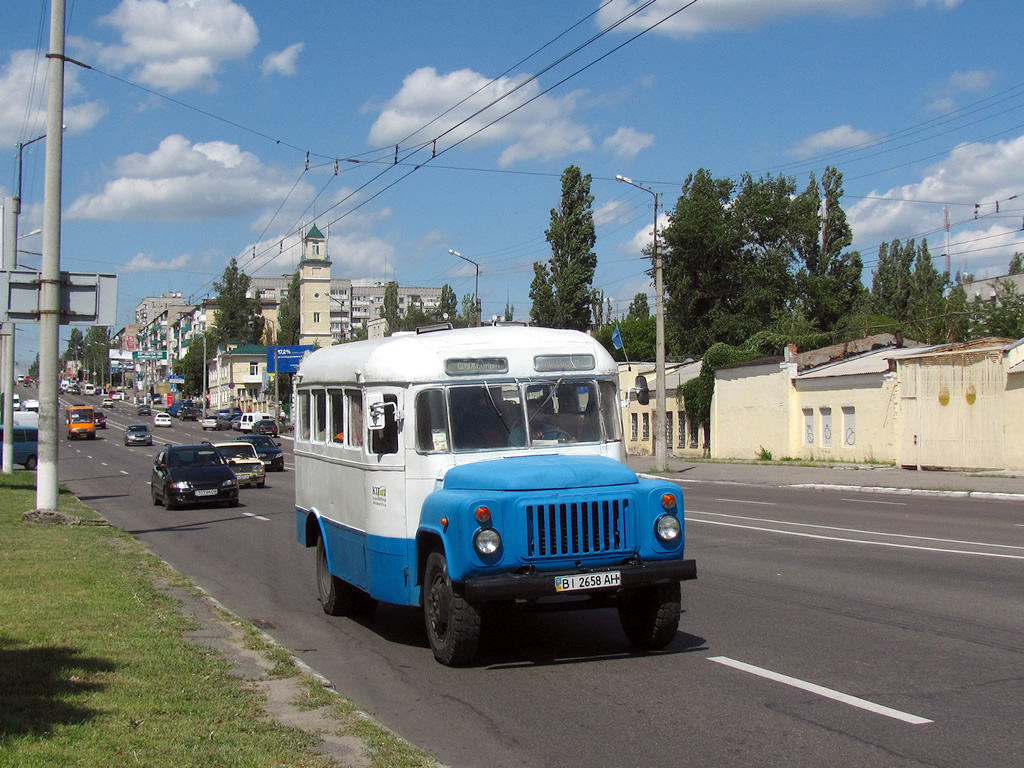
pixel 453 623
pixel 337 596
pixel 650 617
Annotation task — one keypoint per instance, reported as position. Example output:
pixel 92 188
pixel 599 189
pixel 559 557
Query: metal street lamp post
pixel 660 446
pixel 476 290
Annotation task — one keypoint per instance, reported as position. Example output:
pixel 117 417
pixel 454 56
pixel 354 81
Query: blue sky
pixel 186 144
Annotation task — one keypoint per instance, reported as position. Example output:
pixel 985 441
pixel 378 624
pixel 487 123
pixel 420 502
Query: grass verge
pixel 96 669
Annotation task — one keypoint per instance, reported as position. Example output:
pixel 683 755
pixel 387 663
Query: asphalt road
pixel 825 628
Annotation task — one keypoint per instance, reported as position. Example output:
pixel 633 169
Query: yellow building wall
pixel 1013 409
pixel 750 412
pixel 846 418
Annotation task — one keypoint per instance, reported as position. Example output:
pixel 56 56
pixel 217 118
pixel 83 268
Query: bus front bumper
pixel 515 586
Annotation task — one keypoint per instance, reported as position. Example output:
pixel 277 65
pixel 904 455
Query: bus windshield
pixel 516 415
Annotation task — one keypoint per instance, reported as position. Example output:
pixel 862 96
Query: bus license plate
pixel 578 581
pixel 206 492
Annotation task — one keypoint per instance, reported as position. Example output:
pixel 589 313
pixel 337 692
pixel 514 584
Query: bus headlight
pixel 667 528
pixel 487 541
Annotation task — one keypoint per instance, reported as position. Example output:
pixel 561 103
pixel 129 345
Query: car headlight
pixel 231 483
pixel 667 528
pixel 487 541
pixel 182 485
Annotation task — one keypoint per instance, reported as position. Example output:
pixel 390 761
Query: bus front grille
pixel 576 528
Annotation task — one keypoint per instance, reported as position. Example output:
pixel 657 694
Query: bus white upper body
pixel 453 468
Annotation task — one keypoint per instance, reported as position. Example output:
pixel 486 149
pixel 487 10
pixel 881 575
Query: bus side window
pixel 431 421
pixel 302 418
pixel 319 415
pixel 610 414
pixel 354 407
pixel 386 440
pixel 337 416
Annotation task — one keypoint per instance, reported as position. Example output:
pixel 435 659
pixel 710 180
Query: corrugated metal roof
pixel 870 362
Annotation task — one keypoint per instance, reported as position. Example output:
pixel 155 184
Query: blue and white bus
pixel 455 468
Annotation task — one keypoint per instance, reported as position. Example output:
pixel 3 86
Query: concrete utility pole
pixel 660 437
pixel 49 283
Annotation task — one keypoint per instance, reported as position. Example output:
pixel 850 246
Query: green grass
pixel 95 668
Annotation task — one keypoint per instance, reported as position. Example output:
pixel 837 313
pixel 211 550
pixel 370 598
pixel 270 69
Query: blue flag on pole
pixel 616 337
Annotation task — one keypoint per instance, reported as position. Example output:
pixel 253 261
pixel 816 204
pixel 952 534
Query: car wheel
pixel 152 492
pixel 261 484
pixel 650 618
pixel 453 623
pixel 30 463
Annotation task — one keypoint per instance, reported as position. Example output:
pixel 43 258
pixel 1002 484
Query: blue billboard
pixel 288 358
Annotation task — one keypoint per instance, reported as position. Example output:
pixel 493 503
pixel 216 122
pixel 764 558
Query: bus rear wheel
pixel 650 617
pixel 337 596
pixel 453 623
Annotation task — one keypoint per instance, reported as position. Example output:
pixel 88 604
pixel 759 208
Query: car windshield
pixel 194 457
pixel 240 451
pixel 138 428
pixel 261 441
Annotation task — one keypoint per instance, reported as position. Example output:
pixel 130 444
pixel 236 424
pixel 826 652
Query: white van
pixel 248 419
pixel 88 388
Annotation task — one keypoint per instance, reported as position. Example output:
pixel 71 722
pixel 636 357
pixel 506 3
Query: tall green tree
pixel 639 306
pixel 570 271
pixel 289 314
pixel 193 365
pixel 927 305
pixel 448 305
pixel 1016 266
pixel 829 280
pixel 389 307
pixel 890 284
pixel 544 311
pixel 239 316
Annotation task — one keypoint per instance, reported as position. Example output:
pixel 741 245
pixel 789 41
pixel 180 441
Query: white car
pixel 162 420
pixel 108 402
pixel 118 395
pixel 209 422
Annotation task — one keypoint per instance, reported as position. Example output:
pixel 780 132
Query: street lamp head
pixel 619 177
pixel 454 253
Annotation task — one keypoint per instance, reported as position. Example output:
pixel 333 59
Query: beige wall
pixel 862 413
pixel 1013 409
pixel 749 411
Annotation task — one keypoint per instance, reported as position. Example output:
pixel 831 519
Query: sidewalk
pixel 862 477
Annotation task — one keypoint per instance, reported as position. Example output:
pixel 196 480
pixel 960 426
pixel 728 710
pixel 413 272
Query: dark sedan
pixel 188 413
pixel 100 419
pixel 270 453
pixel 265 427
pixel 192 474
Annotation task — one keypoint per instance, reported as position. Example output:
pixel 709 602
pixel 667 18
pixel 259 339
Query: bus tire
pixel 337 596
pixel 650 617
pixel 453 623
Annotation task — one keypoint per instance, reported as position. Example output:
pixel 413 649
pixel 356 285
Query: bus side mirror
pixel 643 393
pixel 376 409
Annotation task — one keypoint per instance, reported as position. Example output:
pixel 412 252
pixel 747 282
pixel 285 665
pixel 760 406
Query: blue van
pixel 26 446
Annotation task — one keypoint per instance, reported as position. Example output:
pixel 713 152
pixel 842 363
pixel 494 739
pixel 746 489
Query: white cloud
pixel 283 63
pixel 959 83
pixel 542 129
pixel 627 143
pixel 181 181
pixel 840 137
pixel 178 44
pixel 23 99
pixel 143 262
pixel 710 15
pixel 971 173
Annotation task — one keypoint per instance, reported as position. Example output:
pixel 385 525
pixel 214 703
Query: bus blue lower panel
pixel 375 564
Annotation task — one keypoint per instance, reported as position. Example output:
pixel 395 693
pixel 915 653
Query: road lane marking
pixel 875 501
pixel 854 530
pixel 745 501
pixel 258 517
pixel 819 690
